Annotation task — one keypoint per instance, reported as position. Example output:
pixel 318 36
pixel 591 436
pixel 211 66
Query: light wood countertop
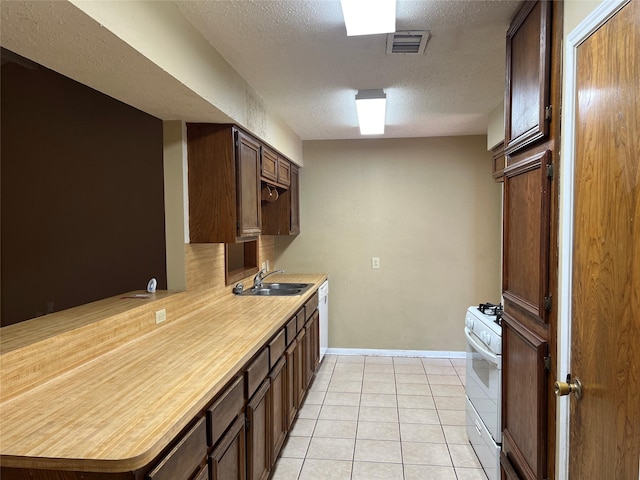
pixel 116 412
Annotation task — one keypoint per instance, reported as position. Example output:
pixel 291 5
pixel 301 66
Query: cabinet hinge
pixel 547 363
pixel 547 112
pixel 550 171
pixel 247 423
pixel 548 302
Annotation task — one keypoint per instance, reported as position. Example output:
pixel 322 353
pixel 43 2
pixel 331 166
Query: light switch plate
pixel 161 316
pixel 375 262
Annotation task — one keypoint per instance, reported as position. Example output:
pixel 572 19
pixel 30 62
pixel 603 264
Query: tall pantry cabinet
pixel 530 219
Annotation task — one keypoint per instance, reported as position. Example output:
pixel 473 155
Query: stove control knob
pixel 486 338
pixel 469 322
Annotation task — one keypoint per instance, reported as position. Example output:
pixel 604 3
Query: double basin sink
pixel 277 289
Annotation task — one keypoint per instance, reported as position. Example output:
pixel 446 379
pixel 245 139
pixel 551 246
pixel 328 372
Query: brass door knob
pixel 570 386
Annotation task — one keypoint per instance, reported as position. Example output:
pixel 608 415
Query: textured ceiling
pixel 297 56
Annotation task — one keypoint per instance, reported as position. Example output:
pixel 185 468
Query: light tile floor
pixel 387 418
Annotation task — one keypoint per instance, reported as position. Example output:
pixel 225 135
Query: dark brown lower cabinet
pixel 279 425
pixel 299 354
pixel 291 398
pixel 315 340
pixel 308 353
pixel 259 433
pixel 524 403
pixel 228 459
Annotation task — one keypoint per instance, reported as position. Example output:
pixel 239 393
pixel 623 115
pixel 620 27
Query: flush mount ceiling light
pixel 371 109
pixel 368 17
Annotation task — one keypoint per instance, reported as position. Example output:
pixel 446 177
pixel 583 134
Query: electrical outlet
pixel 161 316
pixel 375 262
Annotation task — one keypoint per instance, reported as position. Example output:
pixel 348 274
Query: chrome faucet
pixel 261 275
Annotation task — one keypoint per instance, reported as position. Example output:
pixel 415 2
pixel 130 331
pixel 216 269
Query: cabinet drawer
pixel 276 348
pixel 311 306
pixel 284 172
pixel 185 457
pixel 225 410
pixel 292 329
pixel 256 372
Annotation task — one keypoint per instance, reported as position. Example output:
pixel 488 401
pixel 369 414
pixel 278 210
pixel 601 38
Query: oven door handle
pixel 488 355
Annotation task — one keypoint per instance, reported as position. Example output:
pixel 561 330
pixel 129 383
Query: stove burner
pixel 492 310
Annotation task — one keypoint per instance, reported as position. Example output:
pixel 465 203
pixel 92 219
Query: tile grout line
pixel 331 371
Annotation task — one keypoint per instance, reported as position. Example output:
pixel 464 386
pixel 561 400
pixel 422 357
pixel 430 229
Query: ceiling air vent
pixel 412 42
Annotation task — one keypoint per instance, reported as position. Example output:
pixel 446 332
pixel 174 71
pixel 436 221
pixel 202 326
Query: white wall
pixel 428 208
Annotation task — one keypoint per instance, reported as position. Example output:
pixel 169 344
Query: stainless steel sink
pixel 286 286
pixel 277 289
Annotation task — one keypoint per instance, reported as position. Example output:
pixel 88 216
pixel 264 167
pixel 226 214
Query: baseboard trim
pixel 396 353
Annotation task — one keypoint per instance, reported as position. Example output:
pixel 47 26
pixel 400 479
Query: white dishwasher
pixel 323 310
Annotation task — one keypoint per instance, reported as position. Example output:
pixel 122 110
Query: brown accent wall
pixel 82 195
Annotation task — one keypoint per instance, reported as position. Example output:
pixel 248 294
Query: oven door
pixel 483 383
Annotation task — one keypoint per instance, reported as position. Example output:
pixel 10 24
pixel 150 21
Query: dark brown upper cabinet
pixel 275 169
pixel 527 108
pixel 224 184
pixel 282 217
pixel 525 279
pixel 269 165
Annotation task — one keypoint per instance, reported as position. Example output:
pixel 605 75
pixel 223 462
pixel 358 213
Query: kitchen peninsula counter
pixel 117 407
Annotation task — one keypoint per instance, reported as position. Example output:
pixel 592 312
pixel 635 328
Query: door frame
pixel 599 16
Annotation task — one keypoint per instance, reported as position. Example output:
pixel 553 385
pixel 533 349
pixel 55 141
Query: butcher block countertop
pixel 135 385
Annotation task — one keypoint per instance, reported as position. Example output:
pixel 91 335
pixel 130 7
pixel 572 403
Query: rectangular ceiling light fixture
pixel 371 106
pixel 368 17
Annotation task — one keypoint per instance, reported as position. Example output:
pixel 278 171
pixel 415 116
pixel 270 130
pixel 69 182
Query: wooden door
pixel 248 185
pixel 605 335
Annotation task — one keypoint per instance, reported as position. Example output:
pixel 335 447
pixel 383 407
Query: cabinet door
pixel 258 434
pixel 228 459
pixel 315 344
pixel 524 404
pixel 528 68
pixel 269 169
pixel 525 279
pixel 284 172
pixel 294 201
pixel 298 365
pixel 279 425
pixel 291 404
pixel 248 185
pixel 312 347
